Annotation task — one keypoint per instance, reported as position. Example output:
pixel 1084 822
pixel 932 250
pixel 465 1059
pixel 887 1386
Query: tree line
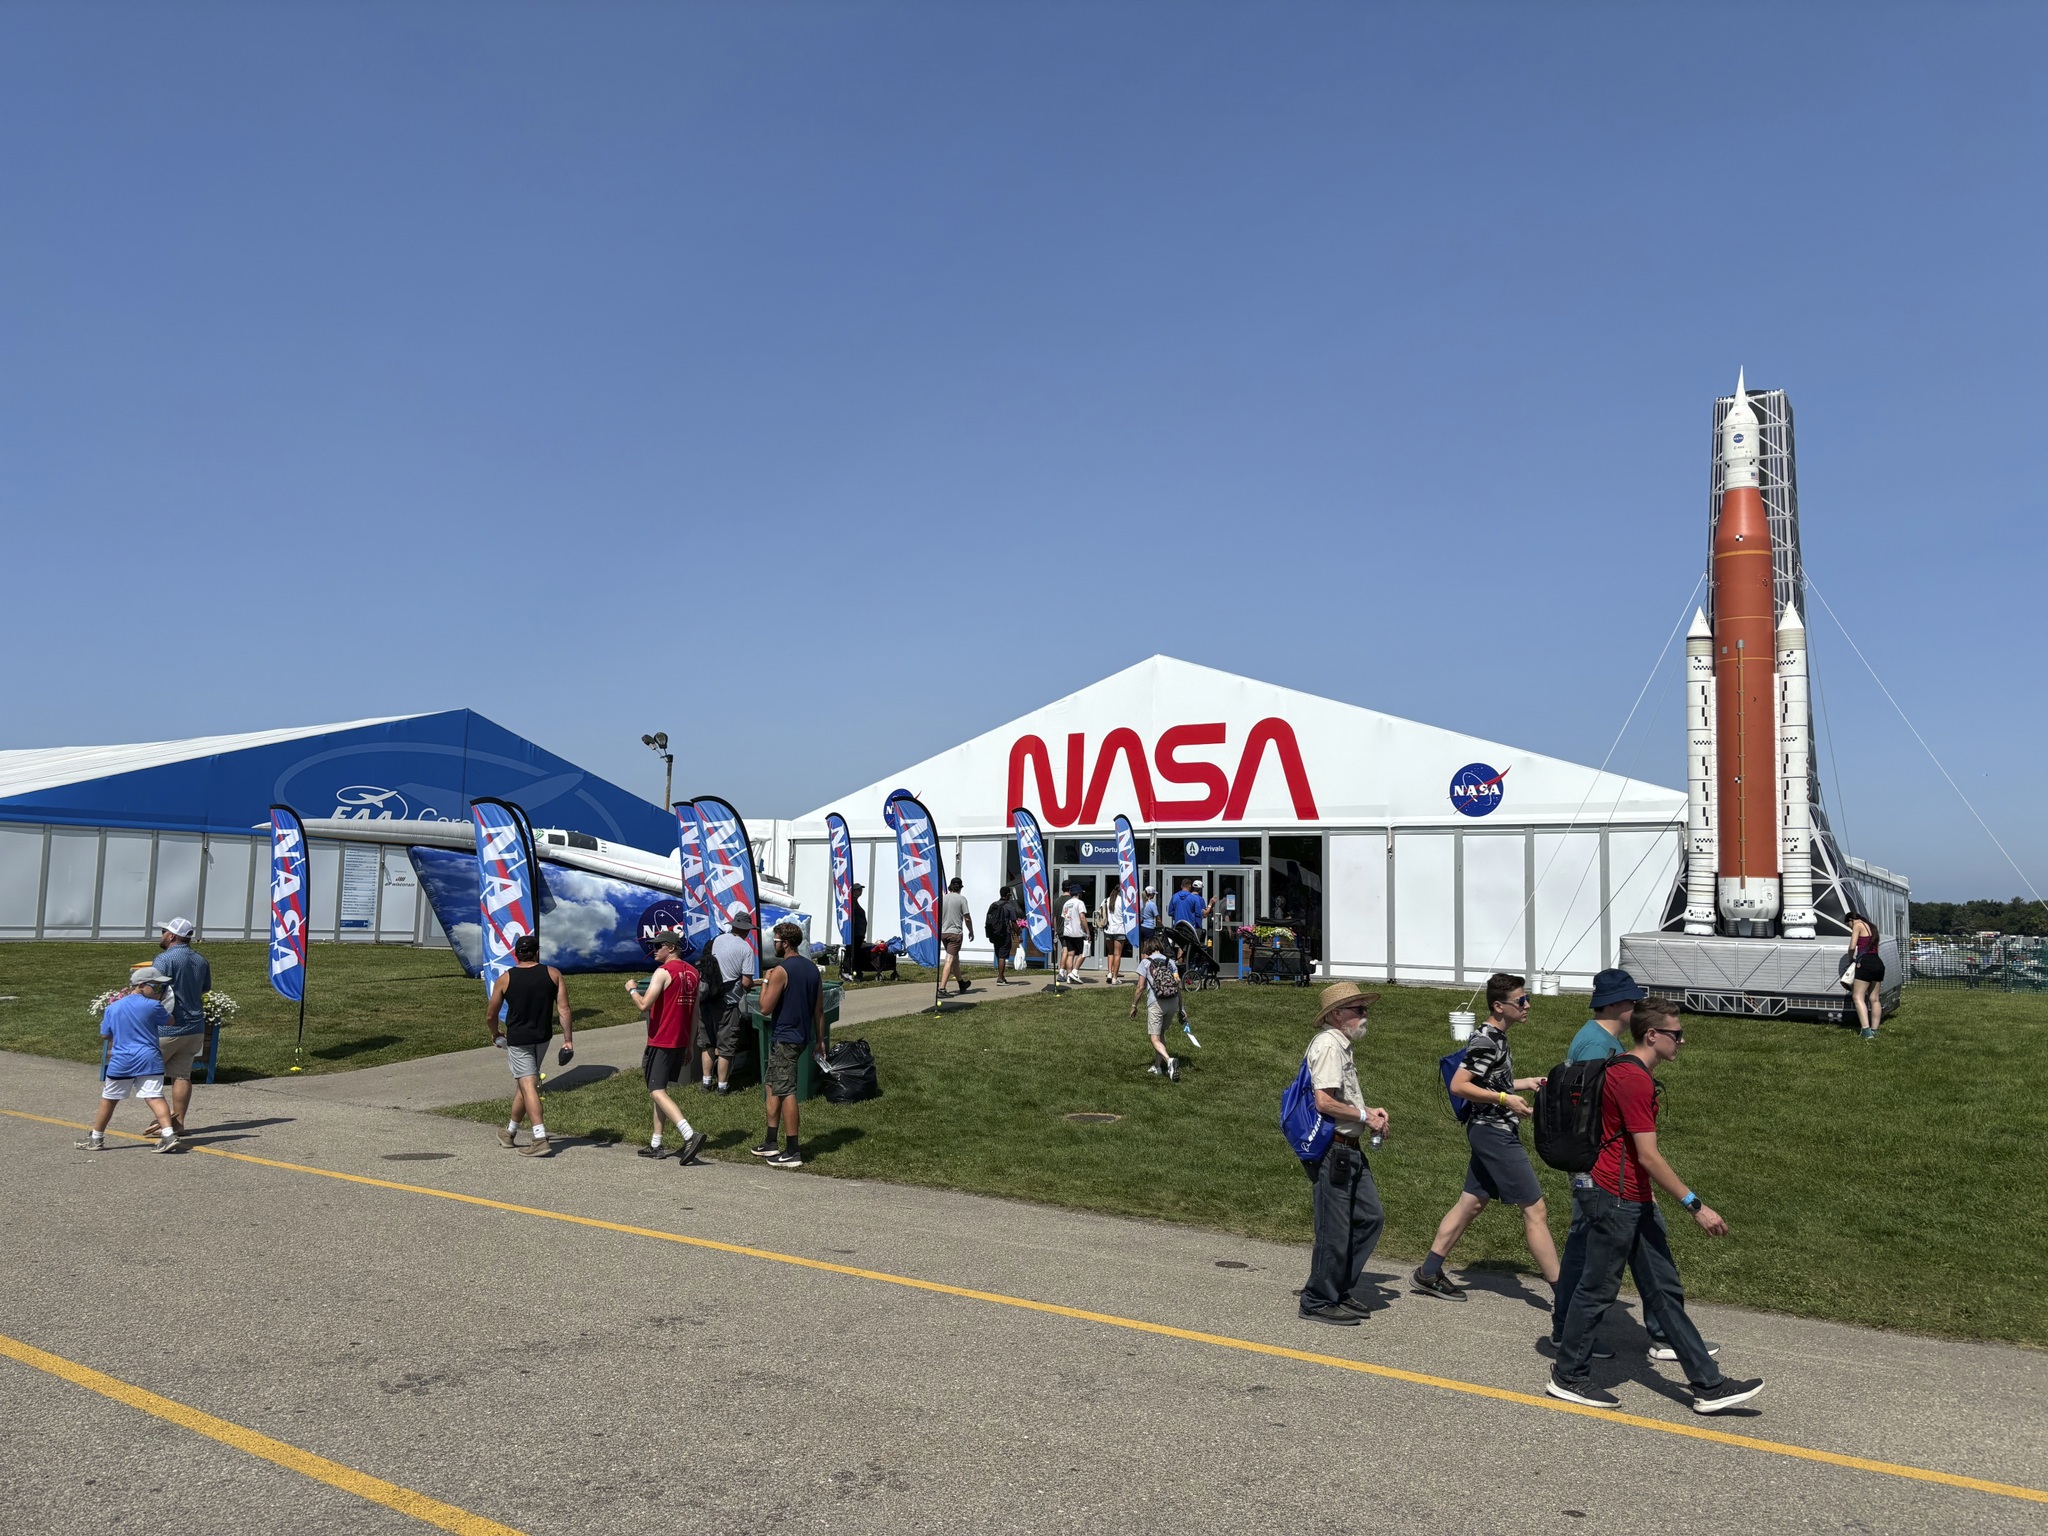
pixel 2015 916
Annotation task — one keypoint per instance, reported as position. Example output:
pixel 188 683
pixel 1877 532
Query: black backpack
pixel 1567 1125
pixel 710 981
pixel 995 923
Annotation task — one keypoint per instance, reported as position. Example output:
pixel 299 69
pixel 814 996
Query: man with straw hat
pixel 1347 1203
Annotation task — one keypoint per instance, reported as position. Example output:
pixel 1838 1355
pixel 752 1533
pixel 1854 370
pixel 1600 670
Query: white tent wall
pixel 119 883
pixel 1493 935
pixel 980 868
pixel 1355 908
pixel 1425 907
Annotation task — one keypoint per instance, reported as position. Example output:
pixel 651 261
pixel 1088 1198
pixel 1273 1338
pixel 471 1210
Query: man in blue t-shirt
pixel 135 1064
pixel 1614 998
pixel 183 1038
pixel 1186 905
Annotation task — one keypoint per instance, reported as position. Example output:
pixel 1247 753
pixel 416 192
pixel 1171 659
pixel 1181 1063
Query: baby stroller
pixel 1198 968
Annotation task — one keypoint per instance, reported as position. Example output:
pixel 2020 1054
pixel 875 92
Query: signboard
pixel 361 865
pixel 1199 850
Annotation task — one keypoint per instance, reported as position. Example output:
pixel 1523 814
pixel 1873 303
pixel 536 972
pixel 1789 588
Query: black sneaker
pixel 767 1149
pixel 703 1085
pixel 1336 1317
pixel 1356 1305
pixel 724 1089
pixel 1438 1284
pixel 785 1160
pixel 1553 1344
pixel 687 1153
pixel 1584 1393
pixel 1727 1393
pixel 654 1152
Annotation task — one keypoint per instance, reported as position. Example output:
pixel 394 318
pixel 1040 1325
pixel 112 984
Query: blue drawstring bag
pixel 1307 1129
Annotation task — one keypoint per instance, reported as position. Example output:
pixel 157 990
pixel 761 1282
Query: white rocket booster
pixel 1700 847
pixel 1795 753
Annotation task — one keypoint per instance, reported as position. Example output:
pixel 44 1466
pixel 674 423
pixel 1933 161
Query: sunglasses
pixel 1676 1034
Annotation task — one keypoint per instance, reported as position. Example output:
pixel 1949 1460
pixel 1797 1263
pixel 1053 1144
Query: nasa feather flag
pixel 842 875
pixel 700 925
pixel 728 868
pixel 1127 877
pixel 920 876
pixel 288 907
pixel 507 909
pixel 1037 895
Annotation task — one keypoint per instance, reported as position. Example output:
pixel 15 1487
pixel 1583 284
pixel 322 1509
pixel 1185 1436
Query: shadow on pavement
pixel 579 1077
pixel 348 1048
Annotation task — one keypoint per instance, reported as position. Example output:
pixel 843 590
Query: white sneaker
pixel 1155 1069
pixel 1666 1352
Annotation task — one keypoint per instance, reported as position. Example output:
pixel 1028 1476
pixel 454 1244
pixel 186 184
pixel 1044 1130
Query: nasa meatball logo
pixel 1476 789
pixel 656 916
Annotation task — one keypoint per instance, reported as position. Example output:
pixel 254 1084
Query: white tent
pixel 1433 856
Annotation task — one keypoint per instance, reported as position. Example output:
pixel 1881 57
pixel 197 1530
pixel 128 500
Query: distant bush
pixel 2015 916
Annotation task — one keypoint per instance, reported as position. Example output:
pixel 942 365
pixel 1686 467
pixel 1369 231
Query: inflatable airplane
pixel 598 900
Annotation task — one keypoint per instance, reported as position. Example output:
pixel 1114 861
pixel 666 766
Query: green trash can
pixel 810 1081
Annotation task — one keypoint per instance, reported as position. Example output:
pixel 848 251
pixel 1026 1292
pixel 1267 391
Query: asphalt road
pixel 558 1376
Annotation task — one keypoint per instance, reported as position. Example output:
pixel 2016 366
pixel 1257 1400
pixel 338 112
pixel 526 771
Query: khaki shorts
pixel 951 943
pixel 179 1053
pixel 781 1075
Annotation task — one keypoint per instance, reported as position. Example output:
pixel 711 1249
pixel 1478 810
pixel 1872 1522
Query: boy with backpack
pixel 999 923
pixel 1499 1168
pixel 1159 991
pixel 1624 1226
pixel 1615 994
pixel 1348 1214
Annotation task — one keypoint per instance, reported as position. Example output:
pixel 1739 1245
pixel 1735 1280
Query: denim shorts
pixel 1499 1169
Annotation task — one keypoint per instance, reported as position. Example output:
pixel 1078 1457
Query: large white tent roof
pixel 1174 735
pixel 30 770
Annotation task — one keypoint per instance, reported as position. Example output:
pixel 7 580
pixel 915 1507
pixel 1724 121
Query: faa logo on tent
pixel 1476 789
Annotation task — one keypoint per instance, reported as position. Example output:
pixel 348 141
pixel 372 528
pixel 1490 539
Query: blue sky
pixel 357 360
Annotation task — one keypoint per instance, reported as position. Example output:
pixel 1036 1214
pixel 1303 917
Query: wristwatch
pixel 1692 1203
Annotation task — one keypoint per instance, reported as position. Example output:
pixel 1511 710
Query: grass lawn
pixel 366 1004
pixel 1883 1184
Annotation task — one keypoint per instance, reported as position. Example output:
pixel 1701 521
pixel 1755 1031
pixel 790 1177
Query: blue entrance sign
pixel 1199 850
pixel 1476 789
pixel 1098 850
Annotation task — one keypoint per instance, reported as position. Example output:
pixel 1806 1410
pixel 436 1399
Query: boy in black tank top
pixel 528 993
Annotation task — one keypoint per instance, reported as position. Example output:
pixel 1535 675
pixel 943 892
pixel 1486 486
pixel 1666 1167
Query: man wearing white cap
pixel 183 1035
pixel 134 1064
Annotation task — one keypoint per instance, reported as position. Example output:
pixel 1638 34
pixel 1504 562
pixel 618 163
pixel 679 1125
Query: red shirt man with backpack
pixel 669 1000
pixel 1624 1226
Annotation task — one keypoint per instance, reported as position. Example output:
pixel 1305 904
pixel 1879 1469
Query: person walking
pixel 856 963
pixel 135 1063
pixel 721 1010
pixel 1159 991
pixel 1073 935
pixel 669 1000
pixel 1000 923
pixel 1624 1227
pixel 528 993
pixel 1499 1168
pixel 1866 987
pixel 1185 905
pixel 1122 927
pixel 1348 1213
pixel 1615 995
pixel 954 926
pixel 794 997
pixel 183 1038
pixel 1148 918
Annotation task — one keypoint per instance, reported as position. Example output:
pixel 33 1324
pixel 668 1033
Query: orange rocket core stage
pixel 1745 687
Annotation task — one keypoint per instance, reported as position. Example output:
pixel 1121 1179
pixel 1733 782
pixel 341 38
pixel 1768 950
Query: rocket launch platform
pixel 1759 920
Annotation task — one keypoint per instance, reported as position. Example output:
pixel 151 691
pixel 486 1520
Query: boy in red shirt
pixel 669 1000
pixel 1623 1225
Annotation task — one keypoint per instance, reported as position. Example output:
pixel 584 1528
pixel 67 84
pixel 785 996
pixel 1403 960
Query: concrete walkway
pixel 465 1077
pixel 597 1342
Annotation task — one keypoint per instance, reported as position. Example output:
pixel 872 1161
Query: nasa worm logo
pixel 1476 789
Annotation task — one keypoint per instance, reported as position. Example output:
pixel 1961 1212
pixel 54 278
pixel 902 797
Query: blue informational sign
pixel 1196 850
pixel 1476 789
pixel 1098 850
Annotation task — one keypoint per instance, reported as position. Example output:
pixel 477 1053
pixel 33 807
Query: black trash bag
pixel 850 1073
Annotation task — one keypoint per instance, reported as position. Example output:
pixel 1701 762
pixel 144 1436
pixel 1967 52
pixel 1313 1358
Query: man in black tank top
pixel 528 994
pixel 794 997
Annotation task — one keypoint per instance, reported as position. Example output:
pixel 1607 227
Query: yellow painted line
pixel 447 1516
pixel 1135 1325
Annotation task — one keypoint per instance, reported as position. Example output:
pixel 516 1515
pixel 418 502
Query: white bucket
pixel 1461 1026
pixel 1546 984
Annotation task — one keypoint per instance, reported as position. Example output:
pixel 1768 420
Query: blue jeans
pixel 1572 1263
pixel 1348 1223
pixel 1620 1234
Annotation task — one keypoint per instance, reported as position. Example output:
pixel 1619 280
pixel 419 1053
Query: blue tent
pixel 412 767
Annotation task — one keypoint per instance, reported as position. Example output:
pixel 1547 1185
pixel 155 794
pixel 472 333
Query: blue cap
pixel 1616 986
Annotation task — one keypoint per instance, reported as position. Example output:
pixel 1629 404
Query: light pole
pixel 658 744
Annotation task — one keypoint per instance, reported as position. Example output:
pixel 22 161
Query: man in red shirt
pixel 1623 1226
pixel 669 999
